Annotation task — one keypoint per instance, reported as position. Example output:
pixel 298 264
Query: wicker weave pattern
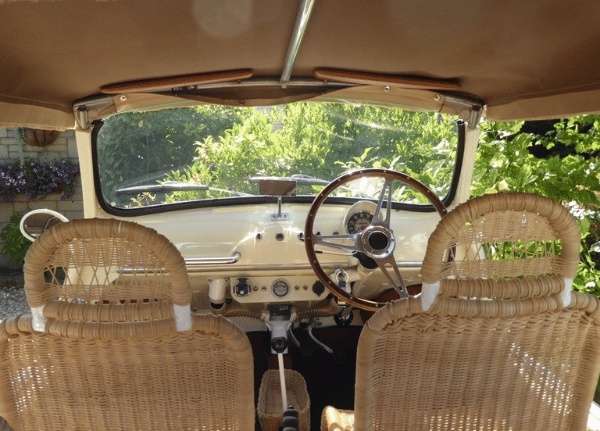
pixel 420 371
pixel 497 350
pixel 111 356
pixel 111 378
pixel 269 406
pixel 114 270
pixel 501 237
pixel 337 420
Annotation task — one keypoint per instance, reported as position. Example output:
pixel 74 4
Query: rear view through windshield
pixel 213 152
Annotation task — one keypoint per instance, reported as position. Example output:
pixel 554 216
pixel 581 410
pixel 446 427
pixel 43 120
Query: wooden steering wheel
pixel 376 241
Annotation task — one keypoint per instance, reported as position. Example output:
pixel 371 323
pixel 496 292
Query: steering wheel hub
pixel 377 242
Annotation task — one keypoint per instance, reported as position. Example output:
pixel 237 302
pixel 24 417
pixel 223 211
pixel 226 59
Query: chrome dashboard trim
pixel 191 269
pixel 191 262
pixel 199 265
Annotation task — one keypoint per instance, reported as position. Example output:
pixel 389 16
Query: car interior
pixel 278 228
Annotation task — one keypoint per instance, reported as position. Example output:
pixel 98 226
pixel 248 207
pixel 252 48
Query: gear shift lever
pixel 280 320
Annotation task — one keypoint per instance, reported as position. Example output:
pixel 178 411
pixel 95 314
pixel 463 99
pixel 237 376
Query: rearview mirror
pixel 36 222
pixel 275 186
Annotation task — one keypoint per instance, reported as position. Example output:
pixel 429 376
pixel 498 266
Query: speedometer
pixel 359 217
pixel 357 222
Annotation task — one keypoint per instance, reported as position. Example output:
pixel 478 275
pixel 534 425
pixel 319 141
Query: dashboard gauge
pixel 359 217
pixel 357 222
pixel 280 288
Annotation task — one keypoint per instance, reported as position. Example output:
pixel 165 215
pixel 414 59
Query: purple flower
pixel 36 180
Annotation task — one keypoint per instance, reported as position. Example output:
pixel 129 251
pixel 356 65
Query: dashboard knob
pixel 318 288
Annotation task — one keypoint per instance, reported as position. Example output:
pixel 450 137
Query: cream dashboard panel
pixel 265 243
pixel 260 246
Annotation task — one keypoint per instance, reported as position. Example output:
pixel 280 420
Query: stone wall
pixel 12 148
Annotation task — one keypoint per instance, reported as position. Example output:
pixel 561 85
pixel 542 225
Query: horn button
pixel 377 242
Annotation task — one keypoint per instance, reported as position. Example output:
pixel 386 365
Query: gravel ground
pixel 12 302
pixel 12 294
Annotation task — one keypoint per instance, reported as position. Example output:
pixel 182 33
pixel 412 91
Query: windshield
pixel 216 153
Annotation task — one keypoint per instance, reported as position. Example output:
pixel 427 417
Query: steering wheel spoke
pixel 398 281
pixel 376 241
pixel 331 242
pixel 377 221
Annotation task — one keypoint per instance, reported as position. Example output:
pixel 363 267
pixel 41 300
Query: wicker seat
pixel 496 341
pixel 126 376
pixel 105 270
pixel 110 358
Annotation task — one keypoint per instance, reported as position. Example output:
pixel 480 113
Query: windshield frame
pixel 265 199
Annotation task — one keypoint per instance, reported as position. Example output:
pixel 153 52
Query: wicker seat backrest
pixel 126 376
pixel 104 270
pixel 495 347
pixel 504 246
pixel 119 348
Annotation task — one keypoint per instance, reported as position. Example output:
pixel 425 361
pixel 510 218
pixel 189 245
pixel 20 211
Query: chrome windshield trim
pixel 272 82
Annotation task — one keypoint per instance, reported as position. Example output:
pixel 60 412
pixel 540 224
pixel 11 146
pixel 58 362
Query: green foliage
pixel 323 141
pixel 133 146
pixel 223 147
pixel 504 163
pixel 14 243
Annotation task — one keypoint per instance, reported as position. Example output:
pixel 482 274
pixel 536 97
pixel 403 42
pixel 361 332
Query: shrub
pixel 14 244
pixel 505 162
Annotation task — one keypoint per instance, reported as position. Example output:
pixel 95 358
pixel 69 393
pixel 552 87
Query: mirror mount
pixel 277 187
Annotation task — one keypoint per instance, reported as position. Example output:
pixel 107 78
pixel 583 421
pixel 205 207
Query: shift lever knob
pixel 279 344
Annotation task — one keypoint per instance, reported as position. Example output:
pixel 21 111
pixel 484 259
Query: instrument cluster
pixel 277 289
pixel 359 217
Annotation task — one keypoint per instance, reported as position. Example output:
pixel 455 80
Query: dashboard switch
pixel 242 288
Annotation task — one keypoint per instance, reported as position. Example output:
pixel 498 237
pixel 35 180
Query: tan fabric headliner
pixel 531 59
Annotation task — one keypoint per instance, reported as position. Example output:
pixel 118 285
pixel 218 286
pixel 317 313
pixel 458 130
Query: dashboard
pixel 254 255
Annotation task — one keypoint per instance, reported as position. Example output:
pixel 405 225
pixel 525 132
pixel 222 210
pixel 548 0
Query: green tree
pixel 136 146
pixel 14 244
pixel 322 140
pixel 505 163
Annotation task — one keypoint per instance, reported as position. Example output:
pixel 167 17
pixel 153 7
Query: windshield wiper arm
pixel 167 186
pixel 301 179
pixel 172 186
